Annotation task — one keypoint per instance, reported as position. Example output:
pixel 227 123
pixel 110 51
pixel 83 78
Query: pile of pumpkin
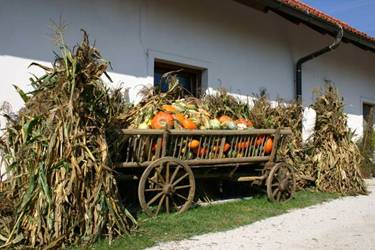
pixel 184 115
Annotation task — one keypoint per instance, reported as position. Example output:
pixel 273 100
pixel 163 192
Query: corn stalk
pixel 60 180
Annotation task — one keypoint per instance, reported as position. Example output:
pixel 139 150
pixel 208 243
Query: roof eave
pixel 310 20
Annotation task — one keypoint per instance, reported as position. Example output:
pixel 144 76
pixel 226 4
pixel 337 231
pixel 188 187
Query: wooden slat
pixel 283 131
pixel 197 162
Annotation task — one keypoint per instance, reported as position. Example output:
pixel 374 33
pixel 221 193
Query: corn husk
pixel 60 180
pixel 332 155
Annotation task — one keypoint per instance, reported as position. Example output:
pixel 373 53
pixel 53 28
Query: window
pixel 189 78
pixel 367 110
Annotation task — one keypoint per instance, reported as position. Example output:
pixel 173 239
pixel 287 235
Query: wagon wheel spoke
pixel 278 196
pixel 153 189
pixel 154 198
pixel 167 172
pixel 158 172
pixel 160 204
pixel 150 179
pixel 167 203
pixel 174 174
pixel 181 196
pixel 277 190
pixel 182 187
pixel 180 179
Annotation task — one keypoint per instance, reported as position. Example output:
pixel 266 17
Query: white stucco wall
pixel 241 48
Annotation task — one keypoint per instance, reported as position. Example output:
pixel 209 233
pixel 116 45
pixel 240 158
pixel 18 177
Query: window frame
pixel 195 73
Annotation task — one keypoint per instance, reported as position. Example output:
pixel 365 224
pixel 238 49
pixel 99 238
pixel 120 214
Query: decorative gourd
pixel 143 126
pixel 188 124
pixel 162 120
pixel 194 144
pixel 268 146
pixel 179 117
pixel 244 122
pixel 224 118
pixel 216 149
pixel 214 124
pixel 168 108
pixel 230 125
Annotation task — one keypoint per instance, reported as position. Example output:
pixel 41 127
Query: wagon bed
pixel 168 164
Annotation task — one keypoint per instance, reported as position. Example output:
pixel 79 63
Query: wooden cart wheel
pixel 168 185
pixel 281 182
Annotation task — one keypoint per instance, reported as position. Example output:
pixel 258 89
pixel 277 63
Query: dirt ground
pixel 347 223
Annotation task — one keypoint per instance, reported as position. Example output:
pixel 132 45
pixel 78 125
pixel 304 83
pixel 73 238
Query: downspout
pixel 311 56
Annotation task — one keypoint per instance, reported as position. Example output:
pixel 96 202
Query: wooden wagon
pixel 166 163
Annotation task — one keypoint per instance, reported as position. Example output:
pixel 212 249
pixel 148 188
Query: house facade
pixel 241 45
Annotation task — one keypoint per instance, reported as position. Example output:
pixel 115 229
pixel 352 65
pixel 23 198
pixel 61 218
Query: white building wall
pixel 241 48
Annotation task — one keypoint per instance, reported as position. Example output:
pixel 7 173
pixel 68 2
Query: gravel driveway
pixel 347 223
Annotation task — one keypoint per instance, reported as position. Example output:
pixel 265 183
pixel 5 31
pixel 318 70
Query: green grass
pixel 213 218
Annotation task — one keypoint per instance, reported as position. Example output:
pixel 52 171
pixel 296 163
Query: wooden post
pixel 164 143
pixel 274 145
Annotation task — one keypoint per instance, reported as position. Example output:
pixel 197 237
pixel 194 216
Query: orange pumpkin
pixel 268 146
pixel 179 117
pixel 188 124
pixel 224 118
pixel 250 124
pixel 168 108
pixel 226 147
pixel 247 122
pixel 201 152
pixel 259 140
pixel 194 144
pixel 242 145
pixel 162 120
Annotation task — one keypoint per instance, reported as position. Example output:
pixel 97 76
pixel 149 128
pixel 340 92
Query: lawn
pixel 206 219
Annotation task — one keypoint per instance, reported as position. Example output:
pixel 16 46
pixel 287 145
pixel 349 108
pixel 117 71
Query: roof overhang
pixel 298 16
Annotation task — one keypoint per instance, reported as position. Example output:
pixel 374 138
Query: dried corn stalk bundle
pixel 292 149
pixel 222 103
pixel 333 155
pixel 59 176
pixel 283 114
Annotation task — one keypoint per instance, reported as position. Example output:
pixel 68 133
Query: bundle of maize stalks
pixel 332 156
pixel 59 177
pixel 283 114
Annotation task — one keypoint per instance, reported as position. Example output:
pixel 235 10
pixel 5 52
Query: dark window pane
pixel 189 79
pixel 366 111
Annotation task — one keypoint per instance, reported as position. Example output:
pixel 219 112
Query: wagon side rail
pixel 143 146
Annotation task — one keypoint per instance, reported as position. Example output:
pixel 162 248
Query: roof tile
pixel 296 4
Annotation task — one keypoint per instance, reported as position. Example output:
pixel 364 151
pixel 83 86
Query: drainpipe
pixel 311 56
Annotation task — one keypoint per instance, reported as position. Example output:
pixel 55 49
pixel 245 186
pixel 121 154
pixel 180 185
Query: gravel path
pixel 347 223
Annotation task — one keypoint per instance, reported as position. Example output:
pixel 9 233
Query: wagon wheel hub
pixel 168 189
pixel 283 184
